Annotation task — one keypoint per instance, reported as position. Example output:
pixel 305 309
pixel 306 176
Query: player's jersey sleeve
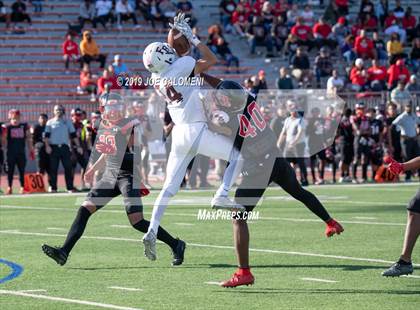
pixel 182 67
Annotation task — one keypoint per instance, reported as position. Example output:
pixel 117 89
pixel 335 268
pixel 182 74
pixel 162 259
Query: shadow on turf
pixel 343 267
pixel 315 291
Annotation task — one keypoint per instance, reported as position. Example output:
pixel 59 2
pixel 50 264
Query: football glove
pixel 181 24
pixel 394 166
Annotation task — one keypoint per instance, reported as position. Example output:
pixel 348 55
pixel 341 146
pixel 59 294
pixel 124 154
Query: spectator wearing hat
pixel 340 30
pixel 87 13
pixel 284 80
pixel 90 50
pixel 407 122
pixel 323 65
pixel 58 133
pixel 335 83
pixel 363 46
pixel 70 52
pixel 19 13
pixel 400 95
pixel 358 76
pixel 412 85
pixel 398 72
pixel 377 76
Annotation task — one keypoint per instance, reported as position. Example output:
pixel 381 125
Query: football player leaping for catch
pixel 262 165
pixel 191 135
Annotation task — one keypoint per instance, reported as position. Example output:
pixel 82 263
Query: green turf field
pixel 290 255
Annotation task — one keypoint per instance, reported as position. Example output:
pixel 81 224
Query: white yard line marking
pixel 212 283
pixel 121 226
pixel 31 291
pixel 318 280
pixel 361 259
pixel 411 276
pixel 56 228
pixel 195 215
pixel 131 289
pixel 364 218
pixel 67 300
pixel 184 224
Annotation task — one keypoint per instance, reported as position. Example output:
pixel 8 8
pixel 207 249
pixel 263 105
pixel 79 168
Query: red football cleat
pixel 333 228
pixel 238 280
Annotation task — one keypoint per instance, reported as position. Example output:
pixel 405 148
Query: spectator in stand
pixel 323 66
pixel 105 79
pixel 342 7
pixel 412 86
pixel 347 50
pixel 292 137
pixel 224 52
pixel 292 15
pixel 87 83
pixel 16 137
pixel 279 32
pixel 259 82
pixel 395 48
pixel 267 15
pixel 363 46
pixel 358 76
pixel 397 72
pixel 400 95
pixel 381 11
pixel 415 55
pixel 369 23
pixel 124 12
pixel 240 20
pixel 87 13
pixel 19 13
pixel 280 9
pixel 335 84
pixel 186 7
pixel 120 68
pixel 377 76
pixel 398 10
pixel 340 30
pixel 113 77
pixel 396 27
pixel 407 122
pixel 90 50
pixel 4 16
pixel 409 24
pixel 41 157
pixel 104 12
pixel 302 34
pixel 58 133
pixel 379 47
pixel 226 10
pixel 145 7
pixel 259 36
pixel 257 7
pixel 284 80
pixel 70 52
pixel 301 68
pixel 307 15
pixel 366 7
pixel 323 35
pixel 168 11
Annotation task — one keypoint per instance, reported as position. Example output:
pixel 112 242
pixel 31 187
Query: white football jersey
pixel 183 100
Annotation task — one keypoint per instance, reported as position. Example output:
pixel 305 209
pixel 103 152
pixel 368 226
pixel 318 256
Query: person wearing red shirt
pixel 301 34
pixel 323 35
pixel 342 7
pixel 240 19
pixel 105 82
pixel 390 20
pixel 70 51
pixel 369 22
pixel 363 46
pixel 358 76
pixel 409 24
pixel 257 7
pixel 280 8
pixel 247 7
pixel 377 76
pixel 397 72
pixel 87 83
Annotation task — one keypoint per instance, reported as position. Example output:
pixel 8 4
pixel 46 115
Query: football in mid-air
pixel 179 42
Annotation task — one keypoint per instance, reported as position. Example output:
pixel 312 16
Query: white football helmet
pixel 158 56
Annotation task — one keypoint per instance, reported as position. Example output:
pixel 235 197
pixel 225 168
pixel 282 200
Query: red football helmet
pixel 112 107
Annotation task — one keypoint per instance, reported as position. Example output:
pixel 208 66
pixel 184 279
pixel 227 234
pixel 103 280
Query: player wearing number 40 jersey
pixel 190 135
pixel 262 165
pixel 117 144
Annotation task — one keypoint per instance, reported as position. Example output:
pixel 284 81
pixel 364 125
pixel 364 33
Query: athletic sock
pixel 76 229
pixel 364 171
pixel 403 262
pixel 355 171
pixel 162 234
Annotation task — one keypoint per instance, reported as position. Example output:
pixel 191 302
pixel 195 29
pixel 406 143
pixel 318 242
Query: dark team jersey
pixel 16 137
pixel 38 134
pixel 363 125
pixel 395 133
pixel 113 141
pixel 345 131
pixel 376 127
pixel 250 132
pixel 316 132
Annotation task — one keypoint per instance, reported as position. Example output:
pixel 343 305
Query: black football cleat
pixel 178 254
pixel 55 253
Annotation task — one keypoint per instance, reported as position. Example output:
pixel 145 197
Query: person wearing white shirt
pixel 125 12
pixel 334 83
pixel 103 12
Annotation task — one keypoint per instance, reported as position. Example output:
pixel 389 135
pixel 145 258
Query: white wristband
pixel 195 41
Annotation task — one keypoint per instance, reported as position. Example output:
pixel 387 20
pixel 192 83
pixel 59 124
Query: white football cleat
pixel 149 242
pixel 224 203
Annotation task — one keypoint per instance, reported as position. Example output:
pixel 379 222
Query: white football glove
pixel 181 24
